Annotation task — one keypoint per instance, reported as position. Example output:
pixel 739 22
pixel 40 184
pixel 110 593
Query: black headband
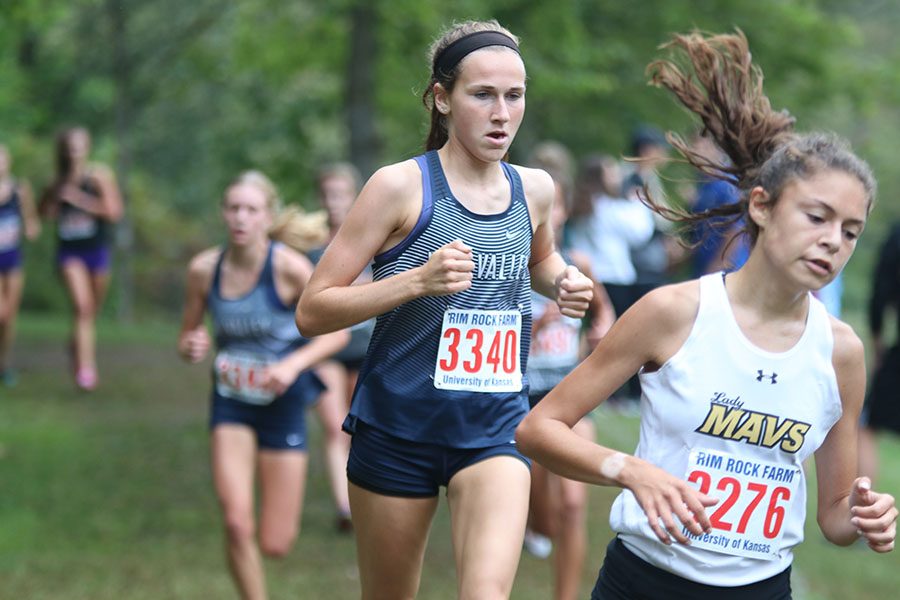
pixel 450 56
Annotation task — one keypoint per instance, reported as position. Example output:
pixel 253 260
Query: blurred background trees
pixel 181 96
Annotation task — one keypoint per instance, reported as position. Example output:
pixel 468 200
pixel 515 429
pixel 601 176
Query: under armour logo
pixel 760 376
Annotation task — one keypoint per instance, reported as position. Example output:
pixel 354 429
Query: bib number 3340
pixel 479 351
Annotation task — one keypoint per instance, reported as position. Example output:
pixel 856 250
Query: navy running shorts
pixel 392 466
pixel 280 425
pixel 10 260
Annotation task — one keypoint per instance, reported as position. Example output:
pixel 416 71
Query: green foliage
pixel 182 96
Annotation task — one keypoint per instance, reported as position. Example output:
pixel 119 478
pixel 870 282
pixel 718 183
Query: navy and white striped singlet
pixel 397 390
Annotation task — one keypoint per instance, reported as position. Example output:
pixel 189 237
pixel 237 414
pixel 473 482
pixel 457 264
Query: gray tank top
pixel 251 332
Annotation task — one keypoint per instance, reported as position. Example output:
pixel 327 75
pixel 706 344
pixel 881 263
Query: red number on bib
pixel 703 478
pixel 494 353
pixel 716 518
pixel 510 351
pixel 760 490
pixel 503 351
pixel 236 377
pixel 472 366
pixel 454 334
pixel 775 514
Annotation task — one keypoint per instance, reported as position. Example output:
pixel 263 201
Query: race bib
pixel 755 498
pixel 10 231
pixel 76 225
pixel 555 345
pixel 239 376
pixel 479 351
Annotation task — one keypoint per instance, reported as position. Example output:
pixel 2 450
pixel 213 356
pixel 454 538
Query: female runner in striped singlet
pixel 458 239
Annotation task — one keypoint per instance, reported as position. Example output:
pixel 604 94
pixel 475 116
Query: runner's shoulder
pixel 203 264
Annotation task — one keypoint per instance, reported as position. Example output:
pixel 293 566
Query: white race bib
pixel 555 345
pixel 239 376
pixel 755 497
pixel 76 225
pixel 479 351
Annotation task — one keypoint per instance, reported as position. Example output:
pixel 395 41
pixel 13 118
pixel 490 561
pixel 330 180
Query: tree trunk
pixel 365 145
pixel 121 74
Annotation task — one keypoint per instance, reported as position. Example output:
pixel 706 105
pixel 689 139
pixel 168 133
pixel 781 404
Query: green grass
pixel 108 495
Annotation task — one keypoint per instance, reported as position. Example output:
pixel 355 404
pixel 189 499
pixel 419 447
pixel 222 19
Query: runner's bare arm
pixel 193 340
pixel 282 374
pixel 601 310
pixel 546 263
pixel 110 196
pixel 550 276
pixel 107 204
pixel 292 274
pixel 647 335
pixel 48 205
pixel 847 506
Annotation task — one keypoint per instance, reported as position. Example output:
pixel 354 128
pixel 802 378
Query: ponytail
pixel 714 78
pixel 300 230
pixel 725 89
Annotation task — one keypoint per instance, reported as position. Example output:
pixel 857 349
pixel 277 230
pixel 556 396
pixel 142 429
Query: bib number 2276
pixel 755 499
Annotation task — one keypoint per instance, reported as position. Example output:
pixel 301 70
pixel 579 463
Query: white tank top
pixel 738 421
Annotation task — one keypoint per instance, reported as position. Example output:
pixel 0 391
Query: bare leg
pixel 571 536
pixel 391 534
pixel 488 510
pixel 79 285
pixel 233 461
pixel 10 298
pixel 332 408
pixel 352 378
pixel 282 477
pixel 542 511
pixel 99 286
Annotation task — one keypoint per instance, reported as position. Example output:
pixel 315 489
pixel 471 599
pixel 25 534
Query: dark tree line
pixel 180 96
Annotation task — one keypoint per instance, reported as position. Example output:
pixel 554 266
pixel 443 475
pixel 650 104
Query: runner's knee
pixel 277 545
pixel 484 590
pixel 239 526
pixel 83 309
pixel 572 506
